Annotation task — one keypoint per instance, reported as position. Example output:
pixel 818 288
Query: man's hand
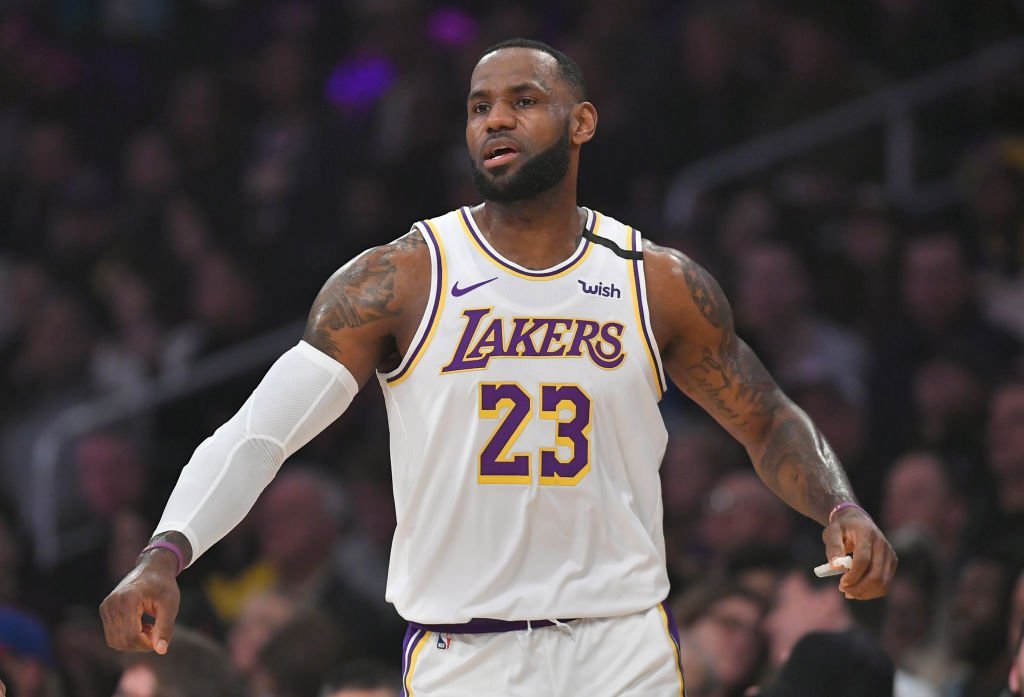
pixel 853 532
pixel 150 589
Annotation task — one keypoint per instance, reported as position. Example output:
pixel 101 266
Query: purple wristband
pixel 846 504
pixel 164 544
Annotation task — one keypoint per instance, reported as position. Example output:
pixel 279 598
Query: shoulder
pixel 381 287
pixel 395 264
pixel 682 289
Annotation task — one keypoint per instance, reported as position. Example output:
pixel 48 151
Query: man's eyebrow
pixel 519 88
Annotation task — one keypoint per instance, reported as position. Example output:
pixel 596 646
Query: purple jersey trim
pixel 673 630
pixel 435 248
pixel 641 298
pixel 467 217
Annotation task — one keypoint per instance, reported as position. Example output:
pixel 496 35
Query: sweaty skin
pixel 367 313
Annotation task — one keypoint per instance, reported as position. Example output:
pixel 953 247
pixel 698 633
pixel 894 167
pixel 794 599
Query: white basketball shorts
pixel 630 656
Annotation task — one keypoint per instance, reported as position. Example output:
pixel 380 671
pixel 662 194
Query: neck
pixel 538 232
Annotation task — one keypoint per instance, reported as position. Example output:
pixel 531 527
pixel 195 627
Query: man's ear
pixel 584 123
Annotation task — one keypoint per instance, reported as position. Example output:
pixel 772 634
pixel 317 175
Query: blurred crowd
pixel 177 177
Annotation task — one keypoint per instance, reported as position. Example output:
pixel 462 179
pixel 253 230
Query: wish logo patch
pixel 603 290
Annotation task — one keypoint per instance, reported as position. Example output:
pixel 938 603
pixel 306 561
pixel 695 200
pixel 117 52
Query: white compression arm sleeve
pixel 301 394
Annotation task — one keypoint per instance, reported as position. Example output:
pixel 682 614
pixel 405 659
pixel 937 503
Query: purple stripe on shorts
pixel 407 648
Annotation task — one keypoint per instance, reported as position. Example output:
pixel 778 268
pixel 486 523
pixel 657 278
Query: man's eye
pixel 481 108
pixel 526 101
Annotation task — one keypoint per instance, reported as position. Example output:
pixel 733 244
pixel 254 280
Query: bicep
pixel 357 313
pixel 705 358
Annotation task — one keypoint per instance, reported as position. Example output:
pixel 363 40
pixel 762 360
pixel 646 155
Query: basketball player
pixel 522 346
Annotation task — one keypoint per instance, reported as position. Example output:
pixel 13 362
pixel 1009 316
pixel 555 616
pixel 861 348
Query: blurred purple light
pixel 451 26
pixel 359 82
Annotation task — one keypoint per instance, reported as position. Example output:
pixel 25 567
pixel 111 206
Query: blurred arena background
pixel 177 179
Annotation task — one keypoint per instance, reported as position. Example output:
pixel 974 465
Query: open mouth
pixel 500 155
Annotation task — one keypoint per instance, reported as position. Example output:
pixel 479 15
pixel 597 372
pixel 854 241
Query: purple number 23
pixel 498 465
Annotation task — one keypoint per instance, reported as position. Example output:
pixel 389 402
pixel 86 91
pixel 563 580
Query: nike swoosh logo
pixel 459 292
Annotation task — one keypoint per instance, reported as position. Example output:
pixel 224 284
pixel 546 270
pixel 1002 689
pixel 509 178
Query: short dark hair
pixel 299 655
pixel 567 68
pixel 194 666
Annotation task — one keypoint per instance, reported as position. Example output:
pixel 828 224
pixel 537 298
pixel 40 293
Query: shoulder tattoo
pixel 361 292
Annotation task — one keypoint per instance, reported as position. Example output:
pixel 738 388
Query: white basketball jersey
pixel 526 436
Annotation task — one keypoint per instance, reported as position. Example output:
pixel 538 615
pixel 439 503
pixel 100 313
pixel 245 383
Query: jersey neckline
pixel 561 268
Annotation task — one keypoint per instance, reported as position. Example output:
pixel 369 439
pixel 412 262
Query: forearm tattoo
pixel 730 375
pixel 361 292
pixel 799 465
pixel 790 453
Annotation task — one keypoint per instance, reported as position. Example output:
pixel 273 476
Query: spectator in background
pixel 298 657
pixel 111 476
pixel 750 217
pixel 921 494
pixel 849 662
pixel 25 285
pixel 363 679
pixel 137 347
pixel 149 176
pixel 260 617
pixel 1016 680
pixel 866 246
pixel 698 455
pixel 939 312
pixel 1006 463
pixel 774 313
pixel 26 656
pixel 198 122
pixel 950 391
pixel 739 512
pixel 1016 623
pixel 79 229
pixel 288 170
pixel 911 631
pixel 720 626
pixel 54 358
pixel 707 66
pixel 303 528
pixel 194 667
pixel 13 563
pixel 49 369
pixel 48 162
pixel 804 604
pixel 995 177
pixel 978 627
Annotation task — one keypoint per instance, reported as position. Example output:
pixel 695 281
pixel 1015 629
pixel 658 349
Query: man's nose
pixel 500 118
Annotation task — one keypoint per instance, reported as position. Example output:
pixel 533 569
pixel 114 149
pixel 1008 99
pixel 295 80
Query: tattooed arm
pixel 368 310
pixel 694 326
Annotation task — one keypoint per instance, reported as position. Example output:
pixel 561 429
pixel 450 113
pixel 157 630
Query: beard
pixel 538 174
